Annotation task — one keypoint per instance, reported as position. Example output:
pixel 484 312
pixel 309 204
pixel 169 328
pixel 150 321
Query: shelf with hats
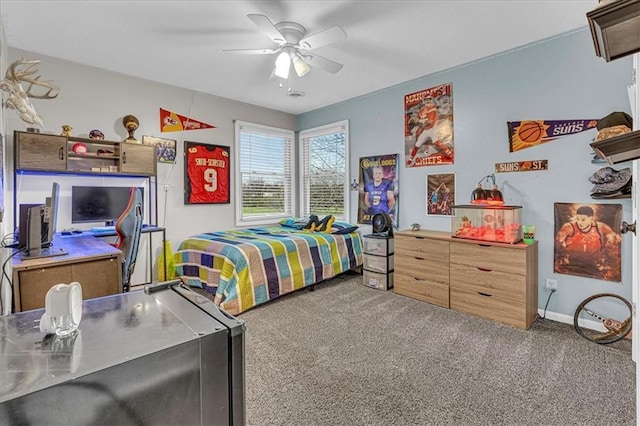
pixel 616 149
pixel 89 155
pixel 609 183
pixel 56 153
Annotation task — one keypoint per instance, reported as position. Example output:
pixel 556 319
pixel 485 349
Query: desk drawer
pixel 98 278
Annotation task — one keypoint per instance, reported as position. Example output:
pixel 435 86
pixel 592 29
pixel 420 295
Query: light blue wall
pixel 555 79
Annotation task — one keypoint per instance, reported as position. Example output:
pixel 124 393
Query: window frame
pixel 267 219
pixel 335 127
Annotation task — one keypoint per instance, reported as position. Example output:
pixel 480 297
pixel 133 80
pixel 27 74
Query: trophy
pixel 131 123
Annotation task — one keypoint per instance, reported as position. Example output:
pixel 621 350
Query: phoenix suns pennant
pixel 525 134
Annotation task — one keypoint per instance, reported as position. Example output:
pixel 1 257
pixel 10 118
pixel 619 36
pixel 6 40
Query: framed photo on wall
pixel 165 148
pixel 441 194
pixel 206 173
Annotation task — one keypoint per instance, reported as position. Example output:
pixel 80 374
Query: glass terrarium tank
pixel 502 224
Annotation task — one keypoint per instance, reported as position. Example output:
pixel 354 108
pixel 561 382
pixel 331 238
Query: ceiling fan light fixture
pixel 283 63
pixel 301 67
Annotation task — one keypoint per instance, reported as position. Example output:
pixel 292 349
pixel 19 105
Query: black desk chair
pixel 128 228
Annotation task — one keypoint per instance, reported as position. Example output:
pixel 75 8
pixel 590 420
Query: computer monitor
pixel 40 227
pixel 98 203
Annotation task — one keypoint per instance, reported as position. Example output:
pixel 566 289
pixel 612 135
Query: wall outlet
pixel 551 285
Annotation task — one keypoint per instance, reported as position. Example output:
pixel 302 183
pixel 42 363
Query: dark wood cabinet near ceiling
pixel 35 151
pixel 53 153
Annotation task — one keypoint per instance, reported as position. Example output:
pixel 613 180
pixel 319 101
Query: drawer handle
pixel 418 279
pixel 419 258
pixel 484 294
pixel 61 154
pixel 483 269
pixel 420 238
pixel 484 245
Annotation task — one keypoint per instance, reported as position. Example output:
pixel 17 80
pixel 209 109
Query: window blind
pixel 265 174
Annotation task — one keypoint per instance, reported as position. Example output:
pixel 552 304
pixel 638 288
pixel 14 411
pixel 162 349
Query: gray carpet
pixel 346 354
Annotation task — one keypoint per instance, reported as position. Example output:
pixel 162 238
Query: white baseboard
pixel 553 316
pixel 568 319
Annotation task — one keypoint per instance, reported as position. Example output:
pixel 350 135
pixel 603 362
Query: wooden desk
pixel 90 261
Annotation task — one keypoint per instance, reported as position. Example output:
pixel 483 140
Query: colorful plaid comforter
pixel 246 268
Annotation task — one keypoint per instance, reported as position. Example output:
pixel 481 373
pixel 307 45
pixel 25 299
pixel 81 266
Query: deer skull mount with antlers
pixel 18 97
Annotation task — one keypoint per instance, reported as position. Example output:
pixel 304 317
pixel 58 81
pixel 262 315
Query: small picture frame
pixel 441 194
pixel 165 148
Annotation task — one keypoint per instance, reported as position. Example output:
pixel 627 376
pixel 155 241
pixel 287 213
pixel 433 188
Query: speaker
pixel 382 224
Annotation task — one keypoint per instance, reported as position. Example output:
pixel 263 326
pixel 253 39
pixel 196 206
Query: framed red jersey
pixel 206 173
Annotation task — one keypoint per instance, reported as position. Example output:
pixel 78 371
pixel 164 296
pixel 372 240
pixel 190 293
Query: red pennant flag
pixel 172 122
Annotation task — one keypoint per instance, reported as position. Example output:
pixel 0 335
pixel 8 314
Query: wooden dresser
pixel 491 280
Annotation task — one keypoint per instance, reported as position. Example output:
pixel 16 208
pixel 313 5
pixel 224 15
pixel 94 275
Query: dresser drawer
pixel 422 248
pixel 421 289
pixel 490 257
pixel 491 307
pixel 424 269
pixel 495 283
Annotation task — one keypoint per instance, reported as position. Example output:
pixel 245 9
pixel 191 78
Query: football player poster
pixel 206 171
pixel 441 194
pixel 378 188
pixel 428 126
pixel 587 240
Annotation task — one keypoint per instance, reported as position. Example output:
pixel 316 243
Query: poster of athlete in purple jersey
pixel 378 188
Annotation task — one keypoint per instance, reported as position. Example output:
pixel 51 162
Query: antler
pixel 26 74
pixel 18 98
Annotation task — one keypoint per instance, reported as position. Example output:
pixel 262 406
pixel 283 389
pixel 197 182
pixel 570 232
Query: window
pixel 324 185
pixel 264 174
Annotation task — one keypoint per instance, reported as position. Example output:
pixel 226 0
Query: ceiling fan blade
pixel 323 63
pixel 267 27
pixel 323 38
pixel 251 51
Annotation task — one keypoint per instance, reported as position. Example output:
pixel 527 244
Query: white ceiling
pixel 180 42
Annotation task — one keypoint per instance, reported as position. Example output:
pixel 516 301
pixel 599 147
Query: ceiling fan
pixel 294 46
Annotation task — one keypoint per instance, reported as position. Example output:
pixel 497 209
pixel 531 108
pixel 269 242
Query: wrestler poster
pixel 587 240
pixel 378 188
pixel 428 126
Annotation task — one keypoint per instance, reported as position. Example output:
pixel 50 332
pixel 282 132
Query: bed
pixel 246 268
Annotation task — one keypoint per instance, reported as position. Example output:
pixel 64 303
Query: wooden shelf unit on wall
pixel 53 153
